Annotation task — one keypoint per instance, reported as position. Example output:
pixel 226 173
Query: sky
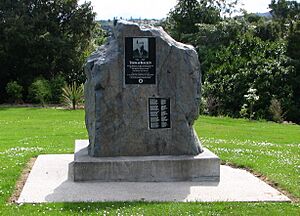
pixel 107 9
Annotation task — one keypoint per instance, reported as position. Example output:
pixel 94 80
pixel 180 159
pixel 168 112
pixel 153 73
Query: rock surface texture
pixel 117 113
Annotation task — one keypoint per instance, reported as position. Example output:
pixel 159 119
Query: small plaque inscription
pixel 140 60
pixel 159 113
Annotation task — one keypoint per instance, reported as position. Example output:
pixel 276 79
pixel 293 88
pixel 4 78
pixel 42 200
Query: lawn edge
pixel 265 179
pixel 21 181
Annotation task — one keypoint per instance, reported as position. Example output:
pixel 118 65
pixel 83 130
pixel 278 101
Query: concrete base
pixel 203 167
pixel 48 182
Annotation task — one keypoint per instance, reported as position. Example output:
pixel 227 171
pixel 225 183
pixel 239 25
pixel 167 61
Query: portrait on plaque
pixel 140 48
pixel 140 60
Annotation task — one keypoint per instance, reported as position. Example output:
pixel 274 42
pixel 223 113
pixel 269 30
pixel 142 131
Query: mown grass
pixel 268 148
pixel 265 147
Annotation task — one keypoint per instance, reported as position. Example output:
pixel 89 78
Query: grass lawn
pixel 270 149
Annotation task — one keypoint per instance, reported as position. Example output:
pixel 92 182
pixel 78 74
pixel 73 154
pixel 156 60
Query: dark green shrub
pixel 56 85
pixel 249 63
pixel 276 111
pixel 40 91
pixel 14 91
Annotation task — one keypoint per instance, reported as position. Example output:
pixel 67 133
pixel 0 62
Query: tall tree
pixel 187 13
pixel 286 13
pixel 43 38
pixel 293 51
pixel 283 9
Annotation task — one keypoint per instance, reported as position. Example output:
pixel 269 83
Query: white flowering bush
pixel 247 109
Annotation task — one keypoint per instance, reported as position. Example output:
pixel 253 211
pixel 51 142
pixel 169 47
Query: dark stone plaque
pixel 159 113
pixel 140 60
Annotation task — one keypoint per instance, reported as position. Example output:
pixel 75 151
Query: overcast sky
pixel 107 9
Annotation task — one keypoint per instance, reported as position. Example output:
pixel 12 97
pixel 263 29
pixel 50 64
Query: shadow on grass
pixel 3 108
pixel 108 205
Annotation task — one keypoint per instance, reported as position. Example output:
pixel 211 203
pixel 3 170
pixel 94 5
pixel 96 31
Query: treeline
pixel 43 46
pixel 250 64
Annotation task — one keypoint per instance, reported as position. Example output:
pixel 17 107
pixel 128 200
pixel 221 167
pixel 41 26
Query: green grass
pixel 268 148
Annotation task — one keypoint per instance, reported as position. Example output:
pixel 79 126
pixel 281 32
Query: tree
pixel 242 53
pixel 43 38
pixel 187 13
pixel 286 13
pixel 293 48
pixel 211 38
pixel 201 24
pixel 293 51
pixel 252 17
pixel 248 62
pixel 285 10
pixel 268 30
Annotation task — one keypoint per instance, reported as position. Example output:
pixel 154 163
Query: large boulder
pixel 117 114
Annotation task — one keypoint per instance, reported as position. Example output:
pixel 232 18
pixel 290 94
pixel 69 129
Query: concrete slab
pixel 48 182
pixel 164 168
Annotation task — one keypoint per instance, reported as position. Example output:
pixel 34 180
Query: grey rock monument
pixel 117 114
pixel 142 96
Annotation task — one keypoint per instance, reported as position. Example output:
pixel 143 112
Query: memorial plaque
pixel 140 60
pixel 159 113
